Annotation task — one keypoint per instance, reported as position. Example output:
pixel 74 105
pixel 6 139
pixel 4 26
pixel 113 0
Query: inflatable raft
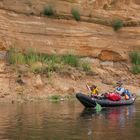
pixel 88 101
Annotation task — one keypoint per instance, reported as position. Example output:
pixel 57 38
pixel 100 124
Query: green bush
pixel 71 60
pixel 75 13
pixel 10 55
pixel 53 62
pixel 31 57
pixel 19 58
pixel 52 59
pixel 135 57
pixel 44 63
pixel 48 10
pixel 136 69
pixel 86 67
pixel 55 98
pixel 117 24
pixel 15 57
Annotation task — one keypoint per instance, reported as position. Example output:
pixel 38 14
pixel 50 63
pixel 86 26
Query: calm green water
pixel 68 121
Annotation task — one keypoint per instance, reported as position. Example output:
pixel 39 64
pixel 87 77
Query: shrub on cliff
pixel 71 60
pixel 48 10
pixel 135 69
pixel 44 63
pixel 135 59
pixel 75 13
pixel 117 24
pixel 15 57
pixel 31 56
pixel 86 67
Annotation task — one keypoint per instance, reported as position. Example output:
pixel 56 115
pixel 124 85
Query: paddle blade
pixel 98 107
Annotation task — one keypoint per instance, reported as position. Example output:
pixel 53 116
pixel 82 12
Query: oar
pixel 98 107
pixel 88 87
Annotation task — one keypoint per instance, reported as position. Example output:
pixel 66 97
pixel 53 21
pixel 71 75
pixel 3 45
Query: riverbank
pixel 58 87
pixel 29 76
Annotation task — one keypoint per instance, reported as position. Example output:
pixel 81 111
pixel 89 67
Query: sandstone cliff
pixel 23 25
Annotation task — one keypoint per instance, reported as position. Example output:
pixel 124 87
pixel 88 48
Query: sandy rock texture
pixel 23 25
pixel 20 28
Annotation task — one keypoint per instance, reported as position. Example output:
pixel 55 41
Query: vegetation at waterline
pixel 117 24
pixel 135 59
pixel 55 98
pixel 44 63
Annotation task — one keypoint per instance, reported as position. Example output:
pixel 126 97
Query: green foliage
pixel 71 60
pixel 48 10
pixel 55 98
pixel 75 13
pixel 117 24
pixel 37 68
pixel 51 59
pixel 31 57
pixel 136 69
pixel 86 67
pixel 44 63
pixel 19 58
pixel 15 57
pixel 53 62
pixel 10 56
pixel 135 57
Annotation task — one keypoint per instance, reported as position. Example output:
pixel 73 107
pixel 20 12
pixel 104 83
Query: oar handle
pixel 88 87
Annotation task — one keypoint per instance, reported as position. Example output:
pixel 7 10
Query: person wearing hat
pixel 120 89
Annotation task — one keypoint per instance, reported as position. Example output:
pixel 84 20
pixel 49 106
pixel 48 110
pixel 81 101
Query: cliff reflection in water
pixel 66 121
pixel 111 123
pixel 38 121
pixel 118 115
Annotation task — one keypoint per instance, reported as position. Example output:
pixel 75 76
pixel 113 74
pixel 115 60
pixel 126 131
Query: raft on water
pixel 88 101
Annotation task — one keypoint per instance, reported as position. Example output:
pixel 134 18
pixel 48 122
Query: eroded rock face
pixel 38 83
pixel 107 55
pixel 20 28
pixel 61 36
pixel 97 8
pixel 2 67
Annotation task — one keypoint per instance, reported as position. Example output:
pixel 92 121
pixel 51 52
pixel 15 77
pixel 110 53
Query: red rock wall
pixel 21 29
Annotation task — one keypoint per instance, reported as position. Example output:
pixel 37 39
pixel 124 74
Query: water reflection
pixel 110 123
pixel 114 114
pixel 39 121
pixel 67 121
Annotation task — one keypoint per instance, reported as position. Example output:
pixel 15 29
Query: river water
pixel 68 120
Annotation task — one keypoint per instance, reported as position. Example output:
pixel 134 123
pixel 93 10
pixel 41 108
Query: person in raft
pixel 94 90
pixel 119 88
pixel 122 91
